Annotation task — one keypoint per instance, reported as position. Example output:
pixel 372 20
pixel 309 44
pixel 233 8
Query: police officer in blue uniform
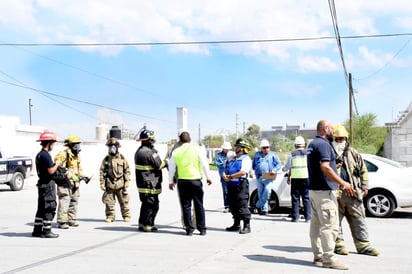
pixel 236 176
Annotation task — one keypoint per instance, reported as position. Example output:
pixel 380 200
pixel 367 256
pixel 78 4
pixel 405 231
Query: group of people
pixel 329 176
pixel 61 177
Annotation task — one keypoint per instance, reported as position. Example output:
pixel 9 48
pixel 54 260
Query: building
pixel 398 142
pixel 289 130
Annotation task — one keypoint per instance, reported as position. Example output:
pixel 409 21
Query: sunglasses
pixel 265 147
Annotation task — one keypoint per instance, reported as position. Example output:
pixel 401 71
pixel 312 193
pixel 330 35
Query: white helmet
pixel 299 141
pixel 264 143
pixel 226 145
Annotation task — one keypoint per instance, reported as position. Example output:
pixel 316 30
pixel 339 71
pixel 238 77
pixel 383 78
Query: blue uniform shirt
pixel 320 150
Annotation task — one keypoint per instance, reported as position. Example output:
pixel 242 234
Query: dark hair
pixel 184 137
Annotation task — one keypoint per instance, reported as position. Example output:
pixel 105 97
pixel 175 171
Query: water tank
pixel 115 132
pixel 101 132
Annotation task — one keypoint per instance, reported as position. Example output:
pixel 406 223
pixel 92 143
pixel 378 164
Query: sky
pixel 287 71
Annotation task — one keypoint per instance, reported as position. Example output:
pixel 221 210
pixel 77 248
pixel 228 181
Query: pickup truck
pixel 13 170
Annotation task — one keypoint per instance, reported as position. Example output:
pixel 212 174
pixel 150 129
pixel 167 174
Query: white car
pixel 390 187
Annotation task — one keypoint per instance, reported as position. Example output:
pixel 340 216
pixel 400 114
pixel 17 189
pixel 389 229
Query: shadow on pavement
pixel 277 259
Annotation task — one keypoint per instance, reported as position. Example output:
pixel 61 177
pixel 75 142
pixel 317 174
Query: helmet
pixel 340 131
pixel 226 145
pixel 47 136
pixel 242 143
pixel 146 135
pixel 112 141
pixel 299 141
pixel 72 139
pixel 264 143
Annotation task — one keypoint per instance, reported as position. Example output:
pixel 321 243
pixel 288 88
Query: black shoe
pixel 189 232
pixel 36 234
pixel 202 232
pixel 49 234
pixel 245 230
pixel 233 228
pixel 263 213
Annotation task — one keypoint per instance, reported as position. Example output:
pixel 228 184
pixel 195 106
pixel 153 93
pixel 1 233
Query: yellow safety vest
pixel 299 167
pixel 187 162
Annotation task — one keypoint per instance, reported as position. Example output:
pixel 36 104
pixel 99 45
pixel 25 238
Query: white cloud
pixel 311 64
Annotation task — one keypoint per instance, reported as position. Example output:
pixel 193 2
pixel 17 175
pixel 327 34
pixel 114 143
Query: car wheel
pixel 17 181
pixel 273 201
pixel 379 205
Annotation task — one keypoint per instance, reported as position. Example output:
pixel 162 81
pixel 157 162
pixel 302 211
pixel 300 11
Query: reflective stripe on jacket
pixel 148 169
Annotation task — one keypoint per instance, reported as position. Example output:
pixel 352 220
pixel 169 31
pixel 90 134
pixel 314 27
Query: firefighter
pixel 69 194
pixel 352 169
pixel 46 188
pixel 114 181
pixel 149 178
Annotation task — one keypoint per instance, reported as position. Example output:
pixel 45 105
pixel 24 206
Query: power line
pixel 387 63
pixel 84 102
pixel 206 42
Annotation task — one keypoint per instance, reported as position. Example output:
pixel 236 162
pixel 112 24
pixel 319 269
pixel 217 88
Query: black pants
pixel 148 209
pixel 299 189
pixel 238 201
pixel 192 190
pixel 46 206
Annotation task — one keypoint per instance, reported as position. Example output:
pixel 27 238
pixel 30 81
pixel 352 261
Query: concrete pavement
pixel 275 245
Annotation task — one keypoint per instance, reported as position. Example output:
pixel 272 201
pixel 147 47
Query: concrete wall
pixel 398 143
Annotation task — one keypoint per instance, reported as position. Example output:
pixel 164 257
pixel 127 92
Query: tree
pixel 253 135
pixel 367 137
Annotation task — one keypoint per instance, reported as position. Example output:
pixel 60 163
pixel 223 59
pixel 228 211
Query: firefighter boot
pixel 37 231
pixel 235 226
pixel 246 227
pixel 47 233
pixel 340 248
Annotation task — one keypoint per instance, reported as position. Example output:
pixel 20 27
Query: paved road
pixel 275 245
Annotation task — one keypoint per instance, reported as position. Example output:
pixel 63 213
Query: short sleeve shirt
pixel 320 150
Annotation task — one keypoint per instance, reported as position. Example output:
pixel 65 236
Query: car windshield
pixel 388 161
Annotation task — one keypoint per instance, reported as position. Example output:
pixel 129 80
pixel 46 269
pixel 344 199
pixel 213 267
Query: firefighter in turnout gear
pixel 46 188
pixel 149 178
pixel 114 181
pixel 69 194
pixel 352 169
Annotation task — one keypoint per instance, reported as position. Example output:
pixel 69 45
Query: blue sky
pixel 268 84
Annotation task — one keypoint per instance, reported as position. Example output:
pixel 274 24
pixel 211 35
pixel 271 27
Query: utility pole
pixel 350 110
pixel 30 106
pixel 200 141
pixel 237 123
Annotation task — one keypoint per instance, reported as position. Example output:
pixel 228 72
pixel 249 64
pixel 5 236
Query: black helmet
pixel 146 135
pixel 113 141
pixel 242 143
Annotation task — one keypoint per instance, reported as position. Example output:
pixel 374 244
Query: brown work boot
pixel 336 264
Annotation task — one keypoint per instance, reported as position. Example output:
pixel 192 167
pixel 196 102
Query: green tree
pixel 213 141
pixel 367 137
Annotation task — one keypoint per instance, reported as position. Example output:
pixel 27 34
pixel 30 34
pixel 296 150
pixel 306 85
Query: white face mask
pixel 339 147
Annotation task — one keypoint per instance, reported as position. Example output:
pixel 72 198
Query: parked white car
pixel 390 187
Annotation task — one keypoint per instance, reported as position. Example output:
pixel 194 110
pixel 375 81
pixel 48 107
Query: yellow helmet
pixel 340 131
pixel 72 139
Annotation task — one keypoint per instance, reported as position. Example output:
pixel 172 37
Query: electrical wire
pixel 205 42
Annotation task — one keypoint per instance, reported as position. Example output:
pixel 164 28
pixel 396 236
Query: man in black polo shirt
pixel 323 181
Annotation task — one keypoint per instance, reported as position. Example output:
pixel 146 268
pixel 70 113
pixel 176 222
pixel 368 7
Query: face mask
pixel 112 150
pixel 339 147
pixel 75 149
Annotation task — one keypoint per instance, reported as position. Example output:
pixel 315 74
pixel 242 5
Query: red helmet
pixel 47 136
